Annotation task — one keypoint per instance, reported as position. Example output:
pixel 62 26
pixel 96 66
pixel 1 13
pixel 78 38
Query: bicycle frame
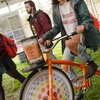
pixel 50 61
pixel 84 83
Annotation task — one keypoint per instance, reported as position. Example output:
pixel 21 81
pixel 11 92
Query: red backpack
pixel 96 23
pixel 11 47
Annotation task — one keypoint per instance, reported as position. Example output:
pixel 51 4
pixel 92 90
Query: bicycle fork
pixel 49 61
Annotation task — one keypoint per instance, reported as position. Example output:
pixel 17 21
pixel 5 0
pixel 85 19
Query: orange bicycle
pixel 51 83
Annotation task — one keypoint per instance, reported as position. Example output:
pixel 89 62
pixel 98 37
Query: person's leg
pixel 2 95
pixel 82 54
pixel 73 43
pixel 79 95
pixel 10 68
pixel 68 69
pixel 76 45
pixel 15 74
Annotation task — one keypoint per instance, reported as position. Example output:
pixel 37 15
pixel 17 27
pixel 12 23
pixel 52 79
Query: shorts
pixel 6 64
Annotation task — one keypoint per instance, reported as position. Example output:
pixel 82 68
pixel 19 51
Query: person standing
pixel 7 66
pixel 39 25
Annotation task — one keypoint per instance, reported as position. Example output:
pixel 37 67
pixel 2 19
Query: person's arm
pixel 43 20
pixel 84 13
pixel 54 31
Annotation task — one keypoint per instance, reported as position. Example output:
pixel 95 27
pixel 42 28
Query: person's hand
pixel 40 40
pixel 47 42
pixel 80 29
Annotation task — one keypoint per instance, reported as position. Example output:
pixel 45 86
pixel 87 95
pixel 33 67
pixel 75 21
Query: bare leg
pixel 66 68
pixel 72 43
pixel 66 56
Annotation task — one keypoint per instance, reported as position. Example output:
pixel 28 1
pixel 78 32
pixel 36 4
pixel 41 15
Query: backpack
pixel 11 47
pixel 31 21
pixel 96 23
pixel 41 11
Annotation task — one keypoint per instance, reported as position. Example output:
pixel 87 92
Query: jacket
pixel 40 23
pixel 90 33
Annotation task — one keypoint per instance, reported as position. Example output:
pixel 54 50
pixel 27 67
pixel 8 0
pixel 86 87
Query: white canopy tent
pixel 5 3
pixel 11 23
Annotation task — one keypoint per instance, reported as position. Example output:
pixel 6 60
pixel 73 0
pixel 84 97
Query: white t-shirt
pixel 68 17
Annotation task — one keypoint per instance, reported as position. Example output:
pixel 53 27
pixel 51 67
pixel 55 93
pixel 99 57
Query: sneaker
pixel 91 69
pixel 79 95
pixel 34 66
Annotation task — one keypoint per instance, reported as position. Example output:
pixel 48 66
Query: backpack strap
pixel 31 23
pixel 32 19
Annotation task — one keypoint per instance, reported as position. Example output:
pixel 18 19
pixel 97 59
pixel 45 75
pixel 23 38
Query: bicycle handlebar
pixel 60 38
pixel 73 33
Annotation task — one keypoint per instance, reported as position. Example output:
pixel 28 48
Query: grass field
pixel 12 86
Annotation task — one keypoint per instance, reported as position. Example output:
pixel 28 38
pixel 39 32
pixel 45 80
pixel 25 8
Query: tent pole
pixel 7 5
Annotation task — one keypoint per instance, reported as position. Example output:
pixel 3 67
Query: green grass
pixel 12 86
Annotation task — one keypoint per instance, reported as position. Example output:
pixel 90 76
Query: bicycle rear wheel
pixel 35 87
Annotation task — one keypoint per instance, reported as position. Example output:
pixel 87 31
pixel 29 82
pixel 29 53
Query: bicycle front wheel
pixel 36 86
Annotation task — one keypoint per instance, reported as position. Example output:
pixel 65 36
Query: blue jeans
pixel 82 54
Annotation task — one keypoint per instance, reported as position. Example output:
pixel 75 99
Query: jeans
pixel 82 50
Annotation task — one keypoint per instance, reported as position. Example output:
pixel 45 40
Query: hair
pixel 31 3
pixel 55 2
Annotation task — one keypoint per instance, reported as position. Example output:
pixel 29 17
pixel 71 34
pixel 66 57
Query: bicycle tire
pixel 35 87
